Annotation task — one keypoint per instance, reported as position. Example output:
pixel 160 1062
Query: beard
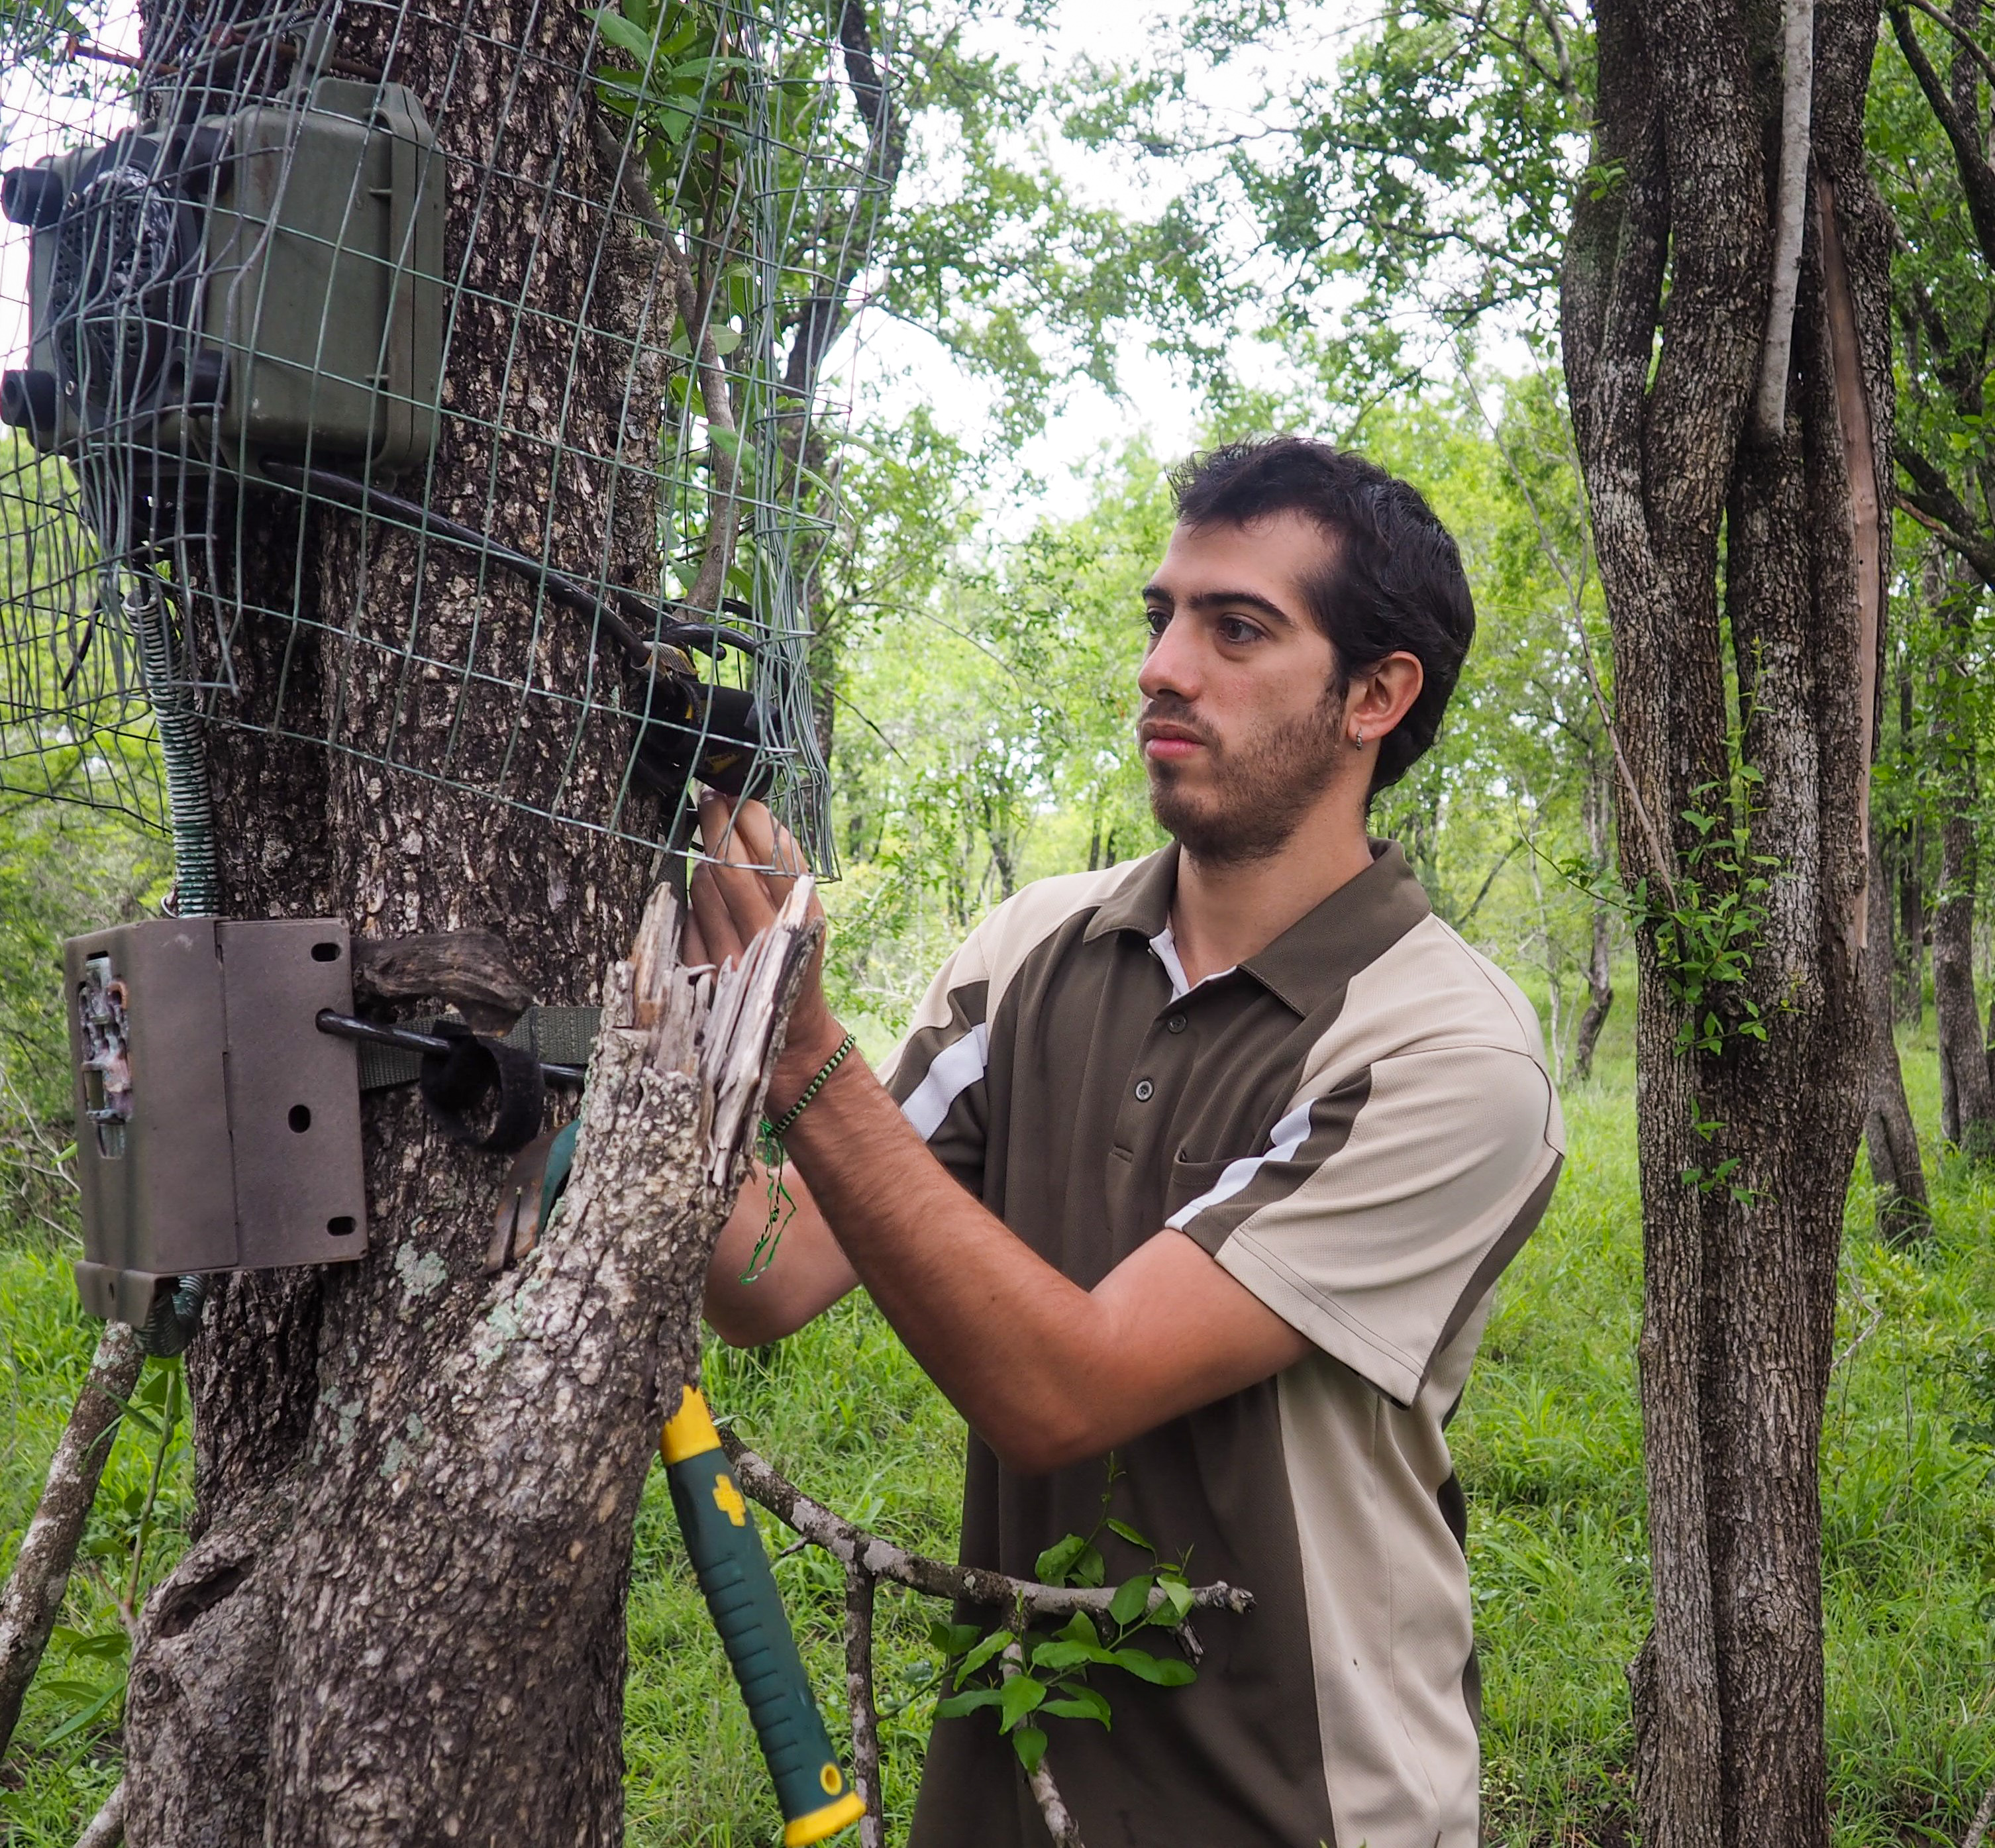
pixel 1259 788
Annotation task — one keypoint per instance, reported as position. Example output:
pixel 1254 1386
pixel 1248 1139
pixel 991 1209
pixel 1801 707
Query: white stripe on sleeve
pixel 954 1069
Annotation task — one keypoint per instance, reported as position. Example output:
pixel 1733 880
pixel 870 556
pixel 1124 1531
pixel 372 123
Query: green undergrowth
pixel 1548 1442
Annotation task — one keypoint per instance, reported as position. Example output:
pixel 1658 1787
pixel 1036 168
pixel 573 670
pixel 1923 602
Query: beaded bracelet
pixel 782 1126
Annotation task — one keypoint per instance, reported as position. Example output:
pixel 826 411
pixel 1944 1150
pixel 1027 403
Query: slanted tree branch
pixel 853 1545
pixel 717 394
pixel 106 1829
pixel 1931 501
pixel 34 1591
pixel 867 1558
pixel 1977 177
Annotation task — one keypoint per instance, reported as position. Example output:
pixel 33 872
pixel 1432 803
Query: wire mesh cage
pixel 448 389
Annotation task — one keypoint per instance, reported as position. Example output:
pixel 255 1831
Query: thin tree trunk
pixel 1596 806
pixel 1889 1133
pixel 1967 1097
pixel 1908 859
pixel 1740 1257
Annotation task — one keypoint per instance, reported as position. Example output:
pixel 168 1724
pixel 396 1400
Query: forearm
pixel 1026 1355
pixel 802 1271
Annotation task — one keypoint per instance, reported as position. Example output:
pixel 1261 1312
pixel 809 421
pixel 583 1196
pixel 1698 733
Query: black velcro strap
pixel 457 1084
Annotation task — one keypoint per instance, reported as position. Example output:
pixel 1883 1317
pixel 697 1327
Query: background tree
pixel 1744 703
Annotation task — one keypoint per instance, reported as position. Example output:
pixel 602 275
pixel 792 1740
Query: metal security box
pixel 266 281
pixel 216 1127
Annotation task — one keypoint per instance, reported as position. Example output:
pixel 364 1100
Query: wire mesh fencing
pixel 447 389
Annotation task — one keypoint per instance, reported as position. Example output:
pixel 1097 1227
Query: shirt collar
pixel 1310 962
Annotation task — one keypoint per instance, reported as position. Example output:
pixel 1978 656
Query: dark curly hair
pixel 1393 579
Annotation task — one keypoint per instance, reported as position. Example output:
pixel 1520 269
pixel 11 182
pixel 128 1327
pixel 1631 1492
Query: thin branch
pixel 724 457
pixel 860 1701
pixel 1770 403
pixel 1965 43
pixel 33 1593
pixel 853 1546
pixel 1660 859
pixel 1053 1811
pixel 107 1827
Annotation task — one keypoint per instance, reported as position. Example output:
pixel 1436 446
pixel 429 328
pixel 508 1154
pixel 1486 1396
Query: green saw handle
pixel 747 1610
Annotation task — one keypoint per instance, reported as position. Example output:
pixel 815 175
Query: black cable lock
pixel 456 1083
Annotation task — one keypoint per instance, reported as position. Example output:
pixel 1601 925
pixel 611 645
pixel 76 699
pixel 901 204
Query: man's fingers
pixel 692 945
pixel 721 937
pixel 732 865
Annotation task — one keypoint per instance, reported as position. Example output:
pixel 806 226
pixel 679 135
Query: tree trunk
pixel 1967 1098
pixel 403 1615
pixel 1596 805
pixel 1751 1082
pixel 1908 865
pixel 1889 1133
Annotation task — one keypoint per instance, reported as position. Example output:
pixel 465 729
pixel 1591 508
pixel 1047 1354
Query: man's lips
pixel 1165 743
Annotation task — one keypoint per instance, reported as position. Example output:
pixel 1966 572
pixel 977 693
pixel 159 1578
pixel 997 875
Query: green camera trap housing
pixel 217 1129
pixel 265 281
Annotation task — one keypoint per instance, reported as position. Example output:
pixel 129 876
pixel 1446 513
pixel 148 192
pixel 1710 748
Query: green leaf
pixel 1079 1628
pixel 1054 1564
pixel 1059 1655
pixel 1132 1599
pixel 1030 1743
pixel 1179 1599
pixel 1090 1569
pixel 953 1706
pixel 952 1639
pixel 982 1653
pixel 1128 1533
pixel 1019 1696
pixel 83 1716
pixel 1162 1671
pixel 618 31
pixel 1077 1702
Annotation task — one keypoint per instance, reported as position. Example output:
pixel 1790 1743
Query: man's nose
pixel 1172 665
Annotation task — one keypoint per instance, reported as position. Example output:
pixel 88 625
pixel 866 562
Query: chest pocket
pixel 1187 1180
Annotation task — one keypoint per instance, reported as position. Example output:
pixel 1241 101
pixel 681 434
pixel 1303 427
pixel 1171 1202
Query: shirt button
pixel 1145 1091
pixel 1175 1023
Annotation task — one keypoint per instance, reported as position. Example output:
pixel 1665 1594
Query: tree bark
pixel 1967 1097
pixel 402 1615
pixel 1908 865
pixel 1746 1142
pixel 1889 1133
pixel 1596 806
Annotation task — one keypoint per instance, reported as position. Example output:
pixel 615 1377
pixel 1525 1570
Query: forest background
pixel 1351 229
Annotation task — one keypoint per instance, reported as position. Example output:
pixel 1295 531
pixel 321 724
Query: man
pixel 1211 1161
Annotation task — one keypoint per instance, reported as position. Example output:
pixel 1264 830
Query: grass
pixel 1548 1443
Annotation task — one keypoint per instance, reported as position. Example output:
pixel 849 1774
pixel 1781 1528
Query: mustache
pixel 1173 713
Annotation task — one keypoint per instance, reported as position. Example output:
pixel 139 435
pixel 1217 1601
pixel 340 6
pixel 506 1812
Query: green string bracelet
pixel 787 1121
pixel 781 1205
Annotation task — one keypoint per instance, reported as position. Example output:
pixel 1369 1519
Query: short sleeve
pixel 937 1073
pixel 1385 1204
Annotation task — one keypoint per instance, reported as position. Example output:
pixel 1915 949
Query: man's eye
pixel 1156 619
pixel 1238 629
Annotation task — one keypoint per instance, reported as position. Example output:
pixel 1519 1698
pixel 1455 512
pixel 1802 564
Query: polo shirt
pixel 1358 1124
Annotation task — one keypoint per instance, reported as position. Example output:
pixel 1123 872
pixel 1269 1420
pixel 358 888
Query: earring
pixel 1357 739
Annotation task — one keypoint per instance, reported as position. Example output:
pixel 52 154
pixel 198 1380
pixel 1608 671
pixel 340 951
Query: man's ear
pixel 1382 695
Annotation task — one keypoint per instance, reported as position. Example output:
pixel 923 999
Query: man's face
pixel 1241 730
